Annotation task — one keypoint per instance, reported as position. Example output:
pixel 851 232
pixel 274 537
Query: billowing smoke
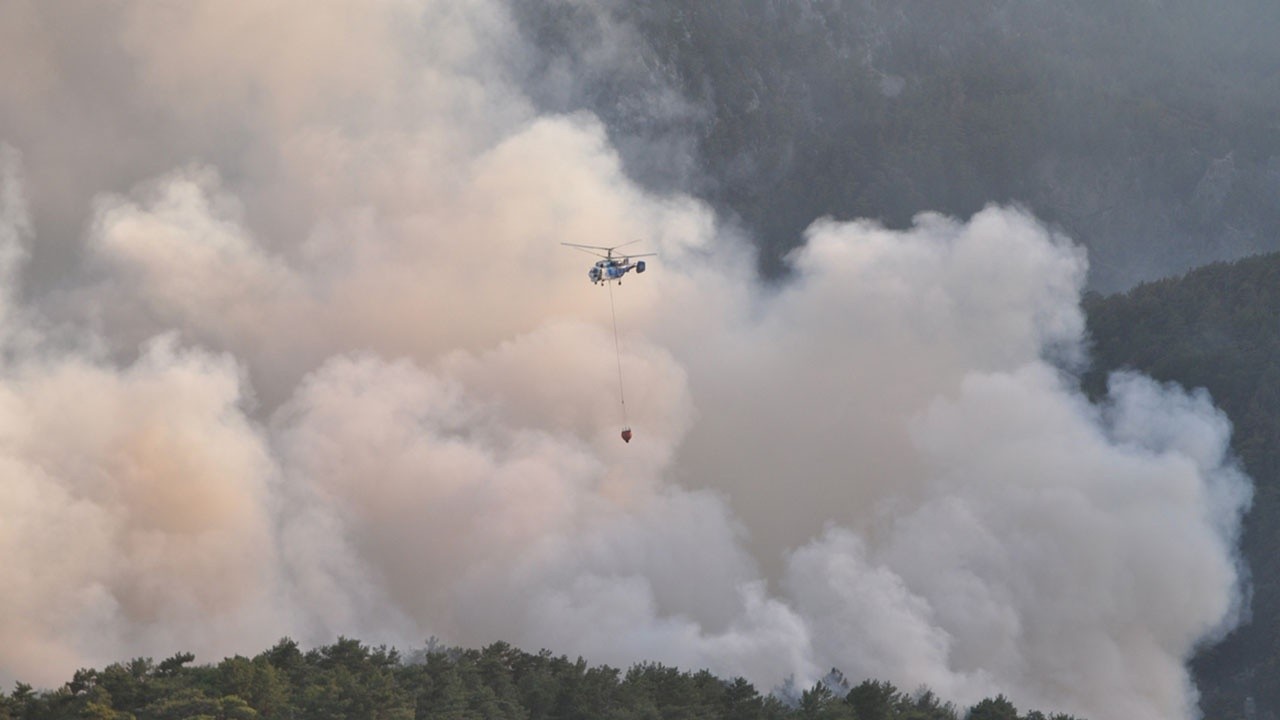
pixel 312 362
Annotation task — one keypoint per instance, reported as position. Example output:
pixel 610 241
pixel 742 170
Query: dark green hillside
pixel 1145 129
pixel 351 680
pixel 1219 328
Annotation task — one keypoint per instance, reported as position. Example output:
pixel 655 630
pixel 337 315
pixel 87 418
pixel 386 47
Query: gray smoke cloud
pixel 312 362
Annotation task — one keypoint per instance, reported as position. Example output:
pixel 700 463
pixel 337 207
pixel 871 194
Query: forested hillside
pixel 1146 129
pixel 1219 328
pixel 351 680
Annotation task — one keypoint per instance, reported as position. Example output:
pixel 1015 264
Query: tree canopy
pixel 351 680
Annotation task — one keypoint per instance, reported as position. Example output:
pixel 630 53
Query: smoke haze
pixel 290 347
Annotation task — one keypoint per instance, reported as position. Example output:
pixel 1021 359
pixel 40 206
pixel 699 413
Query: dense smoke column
pixel 330 375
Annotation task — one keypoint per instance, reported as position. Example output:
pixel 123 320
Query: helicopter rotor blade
pixel 608 251
pixel 587 250
pixel 589 247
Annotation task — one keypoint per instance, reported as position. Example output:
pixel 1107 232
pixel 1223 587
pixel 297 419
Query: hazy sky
pixel 289 346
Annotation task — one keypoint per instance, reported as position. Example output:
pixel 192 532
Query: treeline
pixel 351 680
pixel 1218 328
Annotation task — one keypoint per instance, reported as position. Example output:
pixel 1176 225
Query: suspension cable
pixel 617 348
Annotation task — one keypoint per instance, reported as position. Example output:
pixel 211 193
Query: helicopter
pixel 611 267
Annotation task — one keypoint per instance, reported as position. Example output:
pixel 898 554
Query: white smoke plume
pixel 312 362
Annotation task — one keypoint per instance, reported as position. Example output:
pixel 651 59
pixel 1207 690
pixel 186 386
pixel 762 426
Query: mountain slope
pixel 1218 328
pixel 1146 129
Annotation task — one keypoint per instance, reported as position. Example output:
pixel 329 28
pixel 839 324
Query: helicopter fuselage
pixel 613 269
